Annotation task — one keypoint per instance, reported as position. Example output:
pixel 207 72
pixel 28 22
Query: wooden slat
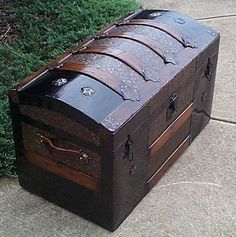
pixel 157 160
pixel 171 130
pixel 172 158
pixel 183 39
pixel 144 40
pixel 102 76
pixel 63 171
pixel 123 56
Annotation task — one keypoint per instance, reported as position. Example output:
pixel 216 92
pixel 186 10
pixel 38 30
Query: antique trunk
pixel 98 127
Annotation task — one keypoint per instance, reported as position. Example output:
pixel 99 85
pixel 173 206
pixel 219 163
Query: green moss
pixel 45 29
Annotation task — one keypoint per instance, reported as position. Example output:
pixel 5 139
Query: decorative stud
pixel 121 22
pixel 203 97
pixel 84 158
pixel 111 123
pixel 132 170
pixel 82 49
pixel 212 32
pixel 155 14
pixel 179 20
pixel 59 82
pixel 87 91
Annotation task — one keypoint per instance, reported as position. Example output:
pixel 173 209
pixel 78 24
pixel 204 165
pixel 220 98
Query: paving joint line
pixel 215 17
pixel 223 120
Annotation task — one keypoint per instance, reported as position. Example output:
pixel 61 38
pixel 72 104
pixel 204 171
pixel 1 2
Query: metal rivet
pixel 111 123
pixel 179 20
pixel 83 48
pixel 60 82
pixel 212 32
pixel 155 14
pixel 132 170
pixel 203 97
pixel 87 91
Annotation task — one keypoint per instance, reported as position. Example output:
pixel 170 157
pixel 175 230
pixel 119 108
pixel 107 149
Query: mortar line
pixel 215 17
pixel 223 120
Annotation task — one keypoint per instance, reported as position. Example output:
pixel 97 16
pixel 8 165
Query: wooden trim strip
pixel 183 39
pixel 172 158
pixel 146 41
pixel 123 56
pixel 62 123
pixel 25 83
pixel 63 171
pixel 164 137
pixel 102 76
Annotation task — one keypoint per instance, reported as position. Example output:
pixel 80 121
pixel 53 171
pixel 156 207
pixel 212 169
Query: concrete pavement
pixel 197 196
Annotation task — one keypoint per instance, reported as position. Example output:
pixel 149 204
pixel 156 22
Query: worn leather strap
pixel 148 42
pixel 108 79
pixel 186 41
pixel 127 58
pixel 123 56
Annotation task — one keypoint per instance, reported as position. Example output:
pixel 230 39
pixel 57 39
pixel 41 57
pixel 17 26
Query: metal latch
pixel 173 102
pixel 172 106
pixel 129 149
pixel 208 71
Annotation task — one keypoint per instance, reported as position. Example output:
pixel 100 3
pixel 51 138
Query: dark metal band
pixel 148 42
pixel 108 79
pixel 123 56
pixel 185 40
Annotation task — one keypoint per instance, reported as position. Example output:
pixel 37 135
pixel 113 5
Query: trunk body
pixel 98 127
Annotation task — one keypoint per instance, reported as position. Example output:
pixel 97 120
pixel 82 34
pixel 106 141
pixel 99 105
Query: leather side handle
pixel 185 40
pixel 106 78
pixel 146 41
pixel 63 154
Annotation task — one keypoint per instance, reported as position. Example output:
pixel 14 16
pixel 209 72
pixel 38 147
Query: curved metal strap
pixel 127 58
pixel 108 79
pixel 148 42
pixel 123 56
pixel 185 40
